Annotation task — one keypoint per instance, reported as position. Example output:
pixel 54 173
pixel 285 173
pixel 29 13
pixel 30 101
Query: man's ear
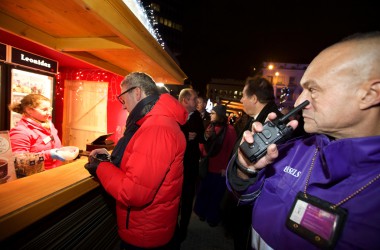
pixel 253 98
pixel 139 94
pixel 185 101
pixel 370 96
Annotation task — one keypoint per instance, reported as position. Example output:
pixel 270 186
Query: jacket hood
pixel 167 105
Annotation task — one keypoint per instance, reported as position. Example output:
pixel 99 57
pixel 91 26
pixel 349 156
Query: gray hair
pixel 142 80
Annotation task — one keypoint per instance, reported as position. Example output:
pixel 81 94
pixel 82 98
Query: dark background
pixel 228 39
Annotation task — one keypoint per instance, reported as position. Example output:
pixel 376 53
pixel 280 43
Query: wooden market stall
pixel 65 207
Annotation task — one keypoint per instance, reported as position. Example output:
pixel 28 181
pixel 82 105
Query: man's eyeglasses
pixel 119 96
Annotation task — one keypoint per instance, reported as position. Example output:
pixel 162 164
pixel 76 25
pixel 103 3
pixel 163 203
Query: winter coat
pixel 218 163
pixel 30 136
pixel 192 154
pixel 147 186
pixel 341 168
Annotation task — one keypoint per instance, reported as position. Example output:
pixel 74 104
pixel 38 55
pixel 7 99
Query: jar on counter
pixel 27 163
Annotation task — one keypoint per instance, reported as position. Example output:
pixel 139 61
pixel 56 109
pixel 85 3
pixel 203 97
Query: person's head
pixel 201 104
pixel 135 87
pixel 218 114
pixel 188 98
pixel 35 106
pixel 257 93
pixel 343 86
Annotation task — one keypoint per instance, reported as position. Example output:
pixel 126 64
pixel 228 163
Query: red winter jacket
pixel 30 136
pixel 147 186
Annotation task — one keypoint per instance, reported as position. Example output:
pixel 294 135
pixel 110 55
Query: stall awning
pixel 103 33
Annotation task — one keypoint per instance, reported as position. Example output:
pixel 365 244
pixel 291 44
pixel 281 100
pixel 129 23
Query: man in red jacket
pixel 145 172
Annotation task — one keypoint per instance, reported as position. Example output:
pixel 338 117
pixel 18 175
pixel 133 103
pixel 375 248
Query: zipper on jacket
pixel 128 212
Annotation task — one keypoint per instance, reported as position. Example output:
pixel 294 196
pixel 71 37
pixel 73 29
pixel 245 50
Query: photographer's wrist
pixel 247 171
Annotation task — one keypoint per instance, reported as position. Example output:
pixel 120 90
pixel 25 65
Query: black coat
pixel 192 153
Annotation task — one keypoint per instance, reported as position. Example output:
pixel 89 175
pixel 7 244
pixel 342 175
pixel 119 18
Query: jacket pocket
pixel 127 220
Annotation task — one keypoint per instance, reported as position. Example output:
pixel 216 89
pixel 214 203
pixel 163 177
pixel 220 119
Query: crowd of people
pixel 314 191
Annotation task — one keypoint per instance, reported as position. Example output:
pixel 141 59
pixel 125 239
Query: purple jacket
pixel 341 168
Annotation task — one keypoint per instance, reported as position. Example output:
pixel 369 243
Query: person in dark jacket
pixel 145 173
pixel 193 130
pixel 258 101
pixel 201 107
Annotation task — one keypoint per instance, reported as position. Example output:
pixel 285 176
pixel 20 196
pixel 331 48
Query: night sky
pixel 228 38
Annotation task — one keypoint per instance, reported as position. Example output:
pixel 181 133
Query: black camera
pixel 273 132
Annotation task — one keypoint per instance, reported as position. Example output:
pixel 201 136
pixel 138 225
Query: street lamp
pixel 276 74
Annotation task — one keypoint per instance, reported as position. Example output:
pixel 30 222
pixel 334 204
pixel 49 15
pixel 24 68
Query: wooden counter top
pixel 26 200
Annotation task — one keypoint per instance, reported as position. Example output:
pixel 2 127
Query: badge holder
pixel 316 220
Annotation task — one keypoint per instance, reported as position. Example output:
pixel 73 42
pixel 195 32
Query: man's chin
pixel 309 128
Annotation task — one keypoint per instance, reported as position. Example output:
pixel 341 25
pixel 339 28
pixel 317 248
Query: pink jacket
pixel 30 136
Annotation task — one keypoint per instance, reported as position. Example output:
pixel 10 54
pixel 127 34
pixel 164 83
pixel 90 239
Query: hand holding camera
pixel 262 142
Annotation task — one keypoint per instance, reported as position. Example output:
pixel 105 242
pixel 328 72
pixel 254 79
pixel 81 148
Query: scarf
pixel 215 142
pixel 140 110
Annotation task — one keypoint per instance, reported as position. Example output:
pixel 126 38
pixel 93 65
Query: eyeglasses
pixel 119 96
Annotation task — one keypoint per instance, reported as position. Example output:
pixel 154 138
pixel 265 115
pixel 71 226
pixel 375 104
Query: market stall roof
pixel 103 33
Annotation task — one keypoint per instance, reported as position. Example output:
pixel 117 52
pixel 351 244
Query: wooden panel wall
pixel 86 223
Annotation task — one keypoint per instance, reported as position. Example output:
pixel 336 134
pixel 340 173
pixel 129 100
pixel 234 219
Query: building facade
pixel 168 18
pixel 285 78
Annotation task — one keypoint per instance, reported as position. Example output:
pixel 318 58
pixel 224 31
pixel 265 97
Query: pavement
pixel 201 236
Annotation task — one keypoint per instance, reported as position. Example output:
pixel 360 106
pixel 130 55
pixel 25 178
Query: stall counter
pixel 27 200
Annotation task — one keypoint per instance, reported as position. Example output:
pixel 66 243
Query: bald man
pixel 320 191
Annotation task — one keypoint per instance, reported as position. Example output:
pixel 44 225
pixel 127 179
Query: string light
pixel 88 75
pixel 146 17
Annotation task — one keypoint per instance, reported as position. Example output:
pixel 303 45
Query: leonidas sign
pixel 7 170
pixel 33 61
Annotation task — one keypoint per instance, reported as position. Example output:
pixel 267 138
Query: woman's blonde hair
pixel 29 101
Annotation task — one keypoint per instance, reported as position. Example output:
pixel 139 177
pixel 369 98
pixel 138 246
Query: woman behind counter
pixel 35 132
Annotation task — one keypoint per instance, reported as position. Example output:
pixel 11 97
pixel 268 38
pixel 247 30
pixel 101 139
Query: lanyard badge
pixel 316 220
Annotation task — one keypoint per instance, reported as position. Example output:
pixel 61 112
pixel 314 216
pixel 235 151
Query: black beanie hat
pixel 220 110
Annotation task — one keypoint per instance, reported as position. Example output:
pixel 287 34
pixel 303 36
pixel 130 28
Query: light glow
pixel 148 21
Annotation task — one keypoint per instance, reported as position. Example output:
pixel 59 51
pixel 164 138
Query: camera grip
pixel 270 134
